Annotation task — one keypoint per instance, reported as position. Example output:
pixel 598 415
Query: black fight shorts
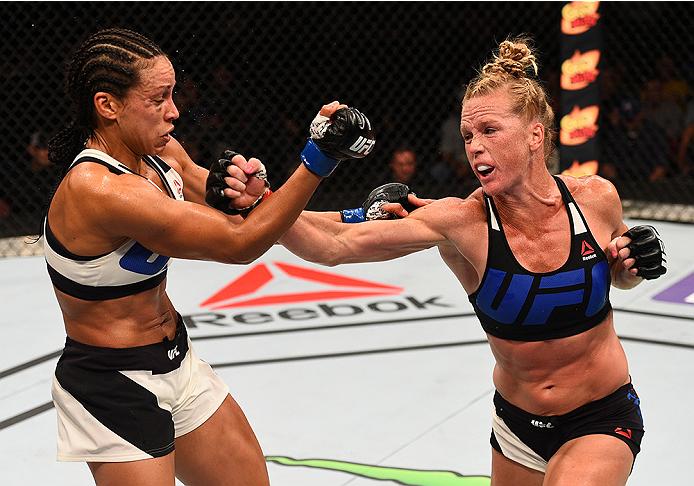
pixel 531 440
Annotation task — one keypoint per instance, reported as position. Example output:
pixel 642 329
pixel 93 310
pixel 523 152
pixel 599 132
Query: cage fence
pixel 251 75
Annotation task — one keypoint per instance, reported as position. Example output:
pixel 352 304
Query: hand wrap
pixel 393 192
pixel 214 195
pixel 347 134
pixel 648 250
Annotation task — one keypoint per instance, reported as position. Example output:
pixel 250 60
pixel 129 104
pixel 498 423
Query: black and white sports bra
pixel 127 270
pixel 514 303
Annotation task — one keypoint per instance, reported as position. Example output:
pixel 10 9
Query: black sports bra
pixel 514 303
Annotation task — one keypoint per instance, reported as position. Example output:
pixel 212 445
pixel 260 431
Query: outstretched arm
pixel 379 210
pixel 132 207
pixel 320 239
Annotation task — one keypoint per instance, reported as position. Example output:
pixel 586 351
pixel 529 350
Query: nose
pixel 475 146
pixel 172 113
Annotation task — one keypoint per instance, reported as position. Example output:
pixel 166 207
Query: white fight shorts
pixel 117 405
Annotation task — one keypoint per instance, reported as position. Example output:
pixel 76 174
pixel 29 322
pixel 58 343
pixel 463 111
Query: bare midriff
pixel 556 376
pixel 135 320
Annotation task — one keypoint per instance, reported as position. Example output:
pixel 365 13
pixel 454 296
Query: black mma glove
pixel 648 250
pixel 347 134
pixel 393 192
pixel 214 188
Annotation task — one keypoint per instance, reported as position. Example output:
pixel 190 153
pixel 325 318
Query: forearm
pixel 313 237
pixel 271 219
pixel 329 215
pixel 319 239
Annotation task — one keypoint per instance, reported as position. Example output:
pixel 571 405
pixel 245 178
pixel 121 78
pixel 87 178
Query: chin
pixel 490 187
pixel 158 149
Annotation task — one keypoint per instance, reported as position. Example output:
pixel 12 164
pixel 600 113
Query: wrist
pixel 316 161
pixel 245 211
pixel 352 215
pixel 627 280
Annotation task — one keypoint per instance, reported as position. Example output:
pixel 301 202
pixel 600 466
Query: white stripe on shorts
pixel 513 448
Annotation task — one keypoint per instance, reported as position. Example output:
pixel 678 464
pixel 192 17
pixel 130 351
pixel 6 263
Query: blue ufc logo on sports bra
pixel 541 293
pixel 138 259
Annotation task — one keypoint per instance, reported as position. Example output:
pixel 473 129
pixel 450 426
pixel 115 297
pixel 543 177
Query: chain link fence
pixel 251 76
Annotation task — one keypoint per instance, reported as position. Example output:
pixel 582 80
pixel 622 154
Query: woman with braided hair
pixel 132 398
pixel 536 255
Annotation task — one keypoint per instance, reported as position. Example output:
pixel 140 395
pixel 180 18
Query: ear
pixel 106 105
pixel 537 136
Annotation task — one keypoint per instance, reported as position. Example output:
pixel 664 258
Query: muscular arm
pixel 320 239
pixel 604 194
pixel 102 208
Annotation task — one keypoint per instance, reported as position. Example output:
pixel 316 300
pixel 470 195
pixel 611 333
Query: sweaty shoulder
pixel 462 221
pixel 591 190
pixel 598 199
pixel 95 178
pixel 88 179
pixel 97 194
pixel 454 210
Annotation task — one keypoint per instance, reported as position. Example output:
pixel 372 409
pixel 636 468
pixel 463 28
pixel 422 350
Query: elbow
pixel 240 256
pixel 326 259
pixel 245 257
pixel 243 261
pixel 331 262
pixel 250 245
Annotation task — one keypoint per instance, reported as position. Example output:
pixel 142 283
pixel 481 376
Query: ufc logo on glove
pixel 363 146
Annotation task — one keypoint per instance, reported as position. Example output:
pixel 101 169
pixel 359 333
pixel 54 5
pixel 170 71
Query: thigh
pixel 222 451
pixel 506 472
pixel 158 471
pixel 596 460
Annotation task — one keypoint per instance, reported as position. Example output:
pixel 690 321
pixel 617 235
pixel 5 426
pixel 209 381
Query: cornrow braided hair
pixel 515 68
pixel 110 61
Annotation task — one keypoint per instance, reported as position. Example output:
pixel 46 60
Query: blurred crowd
pixel 646 134
pixel 647 129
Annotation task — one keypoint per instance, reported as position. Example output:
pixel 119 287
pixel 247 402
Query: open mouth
pixel 484 170
pixel 167 136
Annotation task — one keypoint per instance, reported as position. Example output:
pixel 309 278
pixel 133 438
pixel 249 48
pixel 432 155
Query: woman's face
pixel 148 111
pixel 497 141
